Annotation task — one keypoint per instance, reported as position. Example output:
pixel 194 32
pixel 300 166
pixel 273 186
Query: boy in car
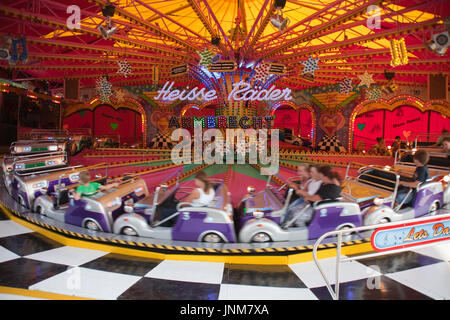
pixel 87 189
pixel 421 158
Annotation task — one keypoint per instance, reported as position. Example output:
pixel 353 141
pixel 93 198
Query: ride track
pixel 236 176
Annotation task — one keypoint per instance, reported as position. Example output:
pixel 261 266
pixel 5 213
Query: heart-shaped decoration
pixel 361 126
pixel 406 134
pixel 113 125
pixel 331 123
pixel 160 120
pixel 82 113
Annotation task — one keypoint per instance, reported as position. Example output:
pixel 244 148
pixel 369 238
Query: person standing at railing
pixel 445 134
pixel 446 145
pixel 379 148
pixel 398 144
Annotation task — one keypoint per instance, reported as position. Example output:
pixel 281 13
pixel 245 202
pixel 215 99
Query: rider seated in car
pixel 421 158
pixel 204 194
pixel 87 188
pixel 310 183
pixel 446 145
pixel 330 189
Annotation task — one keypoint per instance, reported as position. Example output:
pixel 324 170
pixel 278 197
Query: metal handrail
pixel 425 135
pixel 335 294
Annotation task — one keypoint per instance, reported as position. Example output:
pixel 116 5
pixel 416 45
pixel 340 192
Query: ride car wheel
pixel 129 231
pixel 212 237
pixel 39 210
pixel 345 228
pixel 434 207
pixel 383 220
pixel 21 201
pixel 261 237
pixel 91 225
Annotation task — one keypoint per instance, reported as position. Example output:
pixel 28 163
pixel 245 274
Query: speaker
pixel 389 75
pixel 215 41
pixel 280 4
pixel 72 89
pixel 437 86
pixel 108 11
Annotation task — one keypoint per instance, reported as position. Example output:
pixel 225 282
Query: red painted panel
pixel 80 119
pixel 108 121
pixel 367 128
pixel 403 120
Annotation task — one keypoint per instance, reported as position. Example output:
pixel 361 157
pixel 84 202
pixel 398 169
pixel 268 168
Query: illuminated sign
pixel 179 70
pixel 223 66
pixel 220 122
pixel 241 91
pixel 277 68
pixel 411 234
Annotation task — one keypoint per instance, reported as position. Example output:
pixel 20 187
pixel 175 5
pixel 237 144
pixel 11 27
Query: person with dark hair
pixel 397 144
pixel 330 189
pixel 420 158
pixel 311 183
pixel 204 194
pixel 379 148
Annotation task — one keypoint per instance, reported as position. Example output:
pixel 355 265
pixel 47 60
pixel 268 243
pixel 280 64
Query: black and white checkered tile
pixel 29 260
pixel 161 140
pixel 331 144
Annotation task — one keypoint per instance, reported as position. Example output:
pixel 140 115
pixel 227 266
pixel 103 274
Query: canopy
pixel 348 37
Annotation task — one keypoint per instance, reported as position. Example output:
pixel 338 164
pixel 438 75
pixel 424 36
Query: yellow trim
pixel 39 294
pixel 233 259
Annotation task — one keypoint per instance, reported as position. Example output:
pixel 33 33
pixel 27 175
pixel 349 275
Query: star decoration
pixel 374 94
pixel 119 95
pixel 366 79
pixel 345 86
pixel 205 58
pixel 124 68
pixel 104 87
pixel 310 65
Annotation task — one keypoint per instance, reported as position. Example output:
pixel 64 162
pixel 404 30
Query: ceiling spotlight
pixel 439 43
pixel 215 41
pixel 107 31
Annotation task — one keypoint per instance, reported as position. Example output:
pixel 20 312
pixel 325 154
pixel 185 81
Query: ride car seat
pixel 63 198
pixel 166 209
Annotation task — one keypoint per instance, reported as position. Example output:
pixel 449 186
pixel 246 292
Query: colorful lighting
pixel 399 53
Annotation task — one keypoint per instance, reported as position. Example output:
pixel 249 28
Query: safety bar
pixel 291 222
pixel 47 171
pixel 335 293
pixel 37 155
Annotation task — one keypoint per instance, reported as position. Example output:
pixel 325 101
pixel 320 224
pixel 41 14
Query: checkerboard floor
pixel 29 260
